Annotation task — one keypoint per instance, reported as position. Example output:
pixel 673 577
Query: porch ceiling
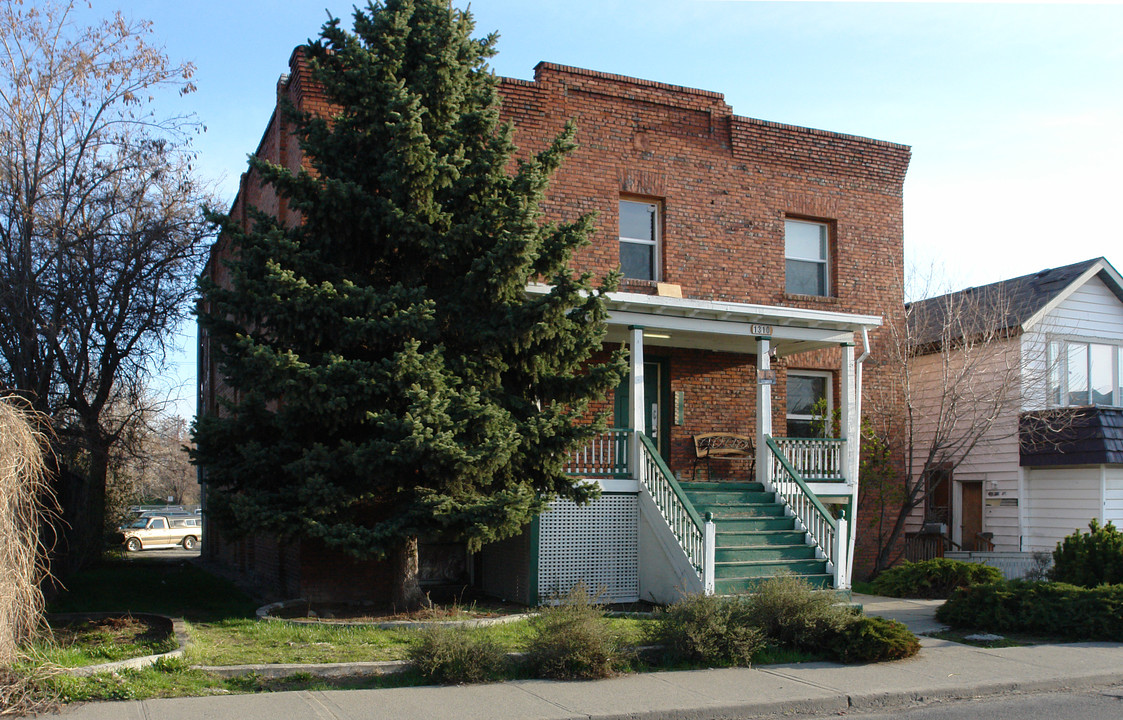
pixel 730 327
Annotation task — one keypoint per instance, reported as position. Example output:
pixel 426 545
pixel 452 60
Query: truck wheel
pixel 189 543
pixel 133 544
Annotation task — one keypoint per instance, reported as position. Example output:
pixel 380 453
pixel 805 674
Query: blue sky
pixel 1013 111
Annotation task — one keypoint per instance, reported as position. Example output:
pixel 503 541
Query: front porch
pixel 663 527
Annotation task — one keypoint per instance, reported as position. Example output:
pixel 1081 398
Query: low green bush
pixel 1038 608
pixel 873 639
pixel 794 614
pixel 453 655
pixel 572 641
pixel 1090 559
pixel 935 578
pixel 709 630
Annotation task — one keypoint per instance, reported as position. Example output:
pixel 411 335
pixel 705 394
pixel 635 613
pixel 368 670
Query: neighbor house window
pixel 806 249
pixel 1083 373
pixel 639 240
pixel 809 402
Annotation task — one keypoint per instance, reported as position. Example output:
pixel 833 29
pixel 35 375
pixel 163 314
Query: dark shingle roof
pixel 1002 306
pixel 1079 436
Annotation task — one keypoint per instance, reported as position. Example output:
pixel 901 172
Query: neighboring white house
pixel 1028 483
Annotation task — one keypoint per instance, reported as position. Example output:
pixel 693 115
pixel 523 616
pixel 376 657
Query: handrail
pixel 816 519
pixel 685 522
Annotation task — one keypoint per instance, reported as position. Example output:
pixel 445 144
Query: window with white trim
pixel 639 239
pixel 806 253
pixel 806 389
pixel 1084 373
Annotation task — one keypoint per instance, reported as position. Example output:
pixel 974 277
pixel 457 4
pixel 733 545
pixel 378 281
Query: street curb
pixel 895 699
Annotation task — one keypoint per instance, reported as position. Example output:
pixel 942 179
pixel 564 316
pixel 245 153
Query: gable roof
pixel 1005 307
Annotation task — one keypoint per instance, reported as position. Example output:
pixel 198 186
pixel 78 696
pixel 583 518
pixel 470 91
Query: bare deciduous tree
pixel 965 376
pixel 101 232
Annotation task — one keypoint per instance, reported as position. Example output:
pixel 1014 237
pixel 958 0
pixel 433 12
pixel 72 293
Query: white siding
pixel 1092 313
pixel 1058 502
pixel 1113 495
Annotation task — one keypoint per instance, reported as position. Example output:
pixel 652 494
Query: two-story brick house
pixel 760 261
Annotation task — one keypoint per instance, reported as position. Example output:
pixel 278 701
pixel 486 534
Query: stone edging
pixel 265 612
pixel 177 626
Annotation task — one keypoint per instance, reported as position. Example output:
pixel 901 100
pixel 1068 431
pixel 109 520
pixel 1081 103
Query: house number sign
pixel 762 330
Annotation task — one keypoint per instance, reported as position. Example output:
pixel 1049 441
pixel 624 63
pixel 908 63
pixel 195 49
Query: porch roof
pixel 727 326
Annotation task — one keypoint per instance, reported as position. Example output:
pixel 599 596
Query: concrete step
pixel 755 524
pixel 768 568
pixel 758 538
pixel 742 554
pixel 738 586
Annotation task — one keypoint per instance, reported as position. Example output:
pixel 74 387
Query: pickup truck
pixel 163 531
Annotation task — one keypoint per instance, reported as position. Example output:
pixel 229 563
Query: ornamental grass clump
pixel 709 630
pixel 22 488
pixel 455 655
pixel 572 641
pixel 794 614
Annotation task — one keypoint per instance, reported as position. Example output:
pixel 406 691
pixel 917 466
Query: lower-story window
pixel 809 392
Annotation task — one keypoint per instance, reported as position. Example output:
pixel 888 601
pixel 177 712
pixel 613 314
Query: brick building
pixel 761 262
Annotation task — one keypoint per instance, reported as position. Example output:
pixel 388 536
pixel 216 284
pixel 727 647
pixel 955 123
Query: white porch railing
pixel 815 458
pixel 695 536
pixel 605 456
pixel 829 534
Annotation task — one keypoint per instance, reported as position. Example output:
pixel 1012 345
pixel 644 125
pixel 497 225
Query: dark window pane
pixel 800 429
pixel 806 278
pixel 637 261
pixel 803 392
pixel 637 220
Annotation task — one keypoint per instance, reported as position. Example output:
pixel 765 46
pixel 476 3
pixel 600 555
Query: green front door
pixel 657 404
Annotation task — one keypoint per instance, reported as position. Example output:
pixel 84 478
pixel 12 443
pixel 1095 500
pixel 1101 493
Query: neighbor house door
pixel 972 515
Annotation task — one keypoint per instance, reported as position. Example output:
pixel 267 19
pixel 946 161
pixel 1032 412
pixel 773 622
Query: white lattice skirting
pixel 597 544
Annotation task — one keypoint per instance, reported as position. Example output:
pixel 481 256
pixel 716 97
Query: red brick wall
pixel 726 184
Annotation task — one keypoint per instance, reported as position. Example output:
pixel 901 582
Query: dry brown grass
pixel 23 494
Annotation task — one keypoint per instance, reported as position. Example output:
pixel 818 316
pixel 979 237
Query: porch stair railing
pixel 828 533
pixel 696 537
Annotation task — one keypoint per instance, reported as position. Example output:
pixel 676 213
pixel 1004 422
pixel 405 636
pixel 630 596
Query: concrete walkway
pixel 942 670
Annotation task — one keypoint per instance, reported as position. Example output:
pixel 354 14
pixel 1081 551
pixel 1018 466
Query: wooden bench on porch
pixel 722 446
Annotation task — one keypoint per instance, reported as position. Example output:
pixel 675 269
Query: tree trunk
pixel 407 595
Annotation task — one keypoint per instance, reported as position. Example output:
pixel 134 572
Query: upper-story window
pixel 806 250
pixel 639 239
pixel 1085 373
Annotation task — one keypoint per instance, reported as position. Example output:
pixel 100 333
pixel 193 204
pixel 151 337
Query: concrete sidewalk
pixel 942 670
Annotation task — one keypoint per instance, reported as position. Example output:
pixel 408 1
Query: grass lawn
pixel 224 630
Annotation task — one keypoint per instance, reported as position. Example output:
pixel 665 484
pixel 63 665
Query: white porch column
pixel 763 411
pixel 635 396
pixel 849 430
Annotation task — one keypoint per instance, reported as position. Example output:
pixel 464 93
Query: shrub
pixel 1090 559
pixel 873 639
pixel 1040 608
pixel 451 655
pixel 793 614
pixel 935 578
pixel 709 630
pixel 572 641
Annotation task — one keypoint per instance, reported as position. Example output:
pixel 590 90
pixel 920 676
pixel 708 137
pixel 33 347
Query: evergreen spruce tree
pixel 393 379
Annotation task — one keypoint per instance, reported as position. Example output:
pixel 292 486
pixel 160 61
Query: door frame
pixel 621 410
